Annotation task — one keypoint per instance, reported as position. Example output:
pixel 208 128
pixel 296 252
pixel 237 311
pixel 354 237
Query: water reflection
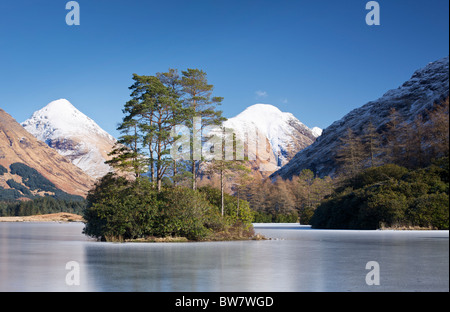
pixel 33 258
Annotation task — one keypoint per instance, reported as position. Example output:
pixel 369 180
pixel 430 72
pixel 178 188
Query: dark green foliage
pixel 35 182
pixel 122 210
pixel 261 217
pixel 9 195
pixel 32 178
pixel 389 196
pixel 3 170
pixel 118 209
pixel 378 174
pixel 42 205
pixel 430 210
pixel 183 212
pixel 14 185
pixel 234 209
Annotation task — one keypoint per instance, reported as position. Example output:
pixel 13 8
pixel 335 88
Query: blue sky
pixel 317 59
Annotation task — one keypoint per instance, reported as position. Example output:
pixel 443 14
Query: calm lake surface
pixel 33 257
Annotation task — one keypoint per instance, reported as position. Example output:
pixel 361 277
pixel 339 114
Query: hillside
pixel 44 164
pixel 427 86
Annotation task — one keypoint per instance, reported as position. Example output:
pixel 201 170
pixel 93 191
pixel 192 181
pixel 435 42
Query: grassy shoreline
pixel 171 239
pixel 53 217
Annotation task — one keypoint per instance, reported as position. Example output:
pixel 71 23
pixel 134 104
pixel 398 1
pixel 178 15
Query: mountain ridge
pixel 426 86
pixel 285 134
pixel 19 146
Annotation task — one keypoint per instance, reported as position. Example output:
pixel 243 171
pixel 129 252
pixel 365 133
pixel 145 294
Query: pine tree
pixel 414 150
pixel 218 162
pixel 126 154
pixel 155 108
pixel 372 145
pixel 350 155
pixel 395 141
pixel 172 80
pixel 159 109
pixel 199 102
pixel 280 200
pixel 438 130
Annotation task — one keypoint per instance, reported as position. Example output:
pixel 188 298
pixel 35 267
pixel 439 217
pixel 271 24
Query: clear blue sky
pixel 316 59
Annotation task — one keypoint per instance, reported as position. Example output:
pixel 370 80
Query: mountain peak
pixel 63 127
pixel 268 108
pixel 61 104
pixel 263 113
pixel 61 118
pixel 284 132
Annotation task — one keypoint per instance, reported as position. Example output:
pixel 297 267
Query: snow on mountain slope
pixel 317 131
pixel 74 135
pixel 427 86
pixel 285 133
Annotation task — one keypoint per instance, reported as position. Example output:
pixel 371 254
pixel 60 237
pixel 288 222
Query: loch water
pixel 49 257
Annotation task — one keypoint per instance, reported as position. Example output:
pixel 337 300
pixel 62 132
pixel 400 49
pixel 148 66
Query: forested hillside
pixel 396 178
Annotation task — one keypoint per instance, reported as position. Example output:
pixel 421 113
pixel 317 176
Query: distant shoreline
pixel 66 217
pixel 54 217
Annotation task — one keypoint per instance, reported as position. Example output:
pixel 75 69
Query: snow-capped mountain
pixel 284 133
pixel 74 135
pixel 20 148
pixel 427 86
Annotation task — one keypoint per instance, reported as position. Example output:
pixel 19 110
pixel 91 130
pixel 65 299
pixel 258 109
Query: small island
pixel 121 210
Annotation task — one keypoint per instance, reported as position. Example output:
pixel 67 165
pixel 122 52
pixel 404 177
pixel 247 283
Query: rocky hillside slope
pixel 426 87
pixel 18 146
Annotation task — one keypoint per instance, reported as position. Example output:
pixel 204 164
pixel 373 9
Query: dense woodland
pixel 41 205
pixel 287 200
pixel 37 195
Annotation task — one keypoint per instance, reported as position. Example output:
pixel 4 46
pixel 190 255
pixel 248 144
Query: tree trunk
pixel 151 161
pixel 237 214
pixel 175 172
pixel 194 176
pixel 221 190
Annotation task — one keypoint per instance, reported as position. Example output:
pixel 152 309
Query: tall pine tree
pixel 200 103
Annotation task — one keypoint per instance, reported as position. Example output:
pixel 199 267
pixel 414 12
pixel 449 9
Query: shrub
pixel 118 209
pixel 430 210
pixel 390 196
pixel 231 210
pixel 183 212
pixel 378 174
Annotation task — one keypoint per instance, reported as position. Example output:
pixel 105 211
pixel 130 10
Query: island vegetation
pixel 154 195
pixel 123 210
